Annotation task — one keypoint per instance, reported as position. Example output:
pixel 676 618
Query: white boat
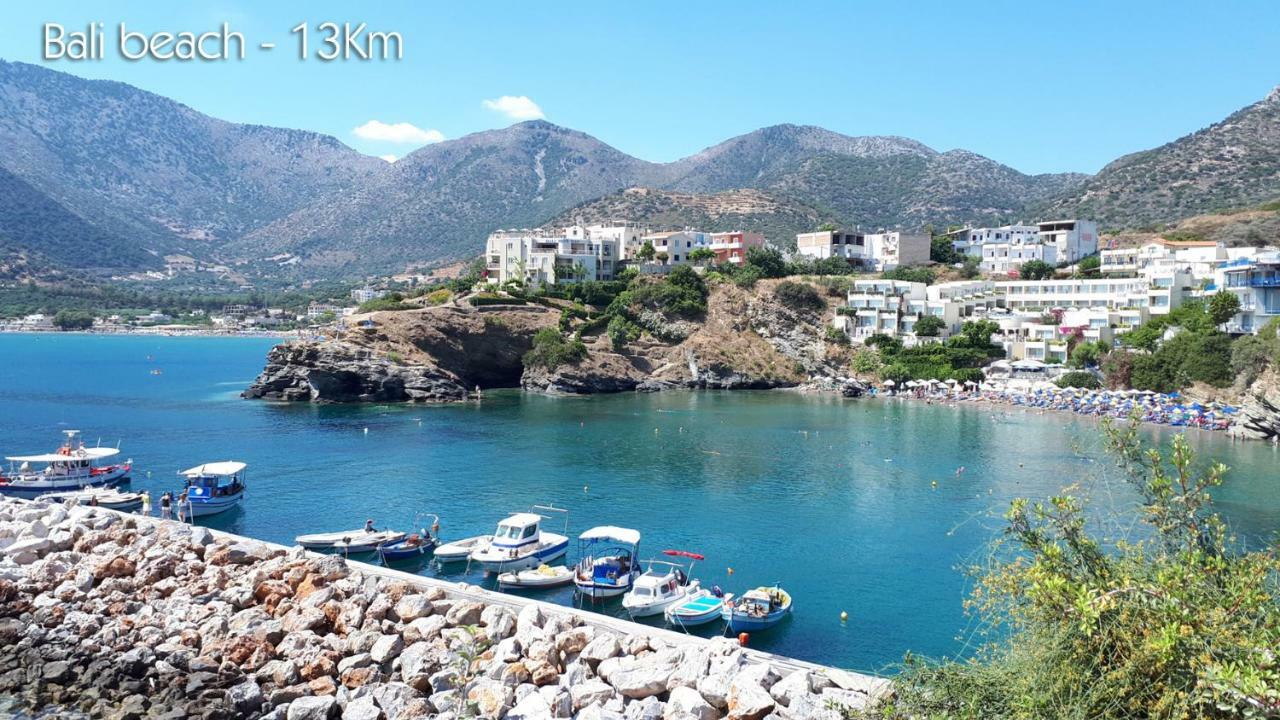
pixel 697 608
pixel 214 487
pixel 365 539
pixel 662 585
pixel 460 550
pixel 520 543
pixel 608 566
pixel 71 467
pixel 110 498
pixel 543 576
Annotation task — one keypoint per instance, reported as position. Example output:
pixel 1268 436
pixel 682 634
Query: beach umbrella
pixel 888 383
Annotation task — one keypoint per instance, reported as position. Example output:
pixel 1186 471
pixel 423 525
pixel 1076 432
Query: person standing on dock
pixel 166 503
pixel 182 506
pixel 146 503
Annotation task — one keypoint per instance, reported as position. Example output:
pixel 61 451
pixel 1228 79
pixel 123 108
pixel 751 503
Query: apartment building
pixel 677 244
pixel 892 307
pixel 537 258
pixel 1073 240
pixel 1159 293
pixel 1006 258
pixel 971 241
pixel 627 235
pixel 1255 281
pixel 872 251
pixel 731 247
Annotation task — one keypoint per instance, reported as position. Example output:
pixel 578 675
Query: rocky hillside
pixel 746 339
pixel 777 216
pixel 1231 164
pixel 1256 227
pixel 117 171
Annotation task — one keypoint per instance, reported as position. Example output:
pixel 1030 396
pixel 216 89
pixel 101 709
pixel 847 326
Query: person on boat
pixel 368 526
pixel 680 576
pixel 716 591
pixel 166 506
pixel 93 500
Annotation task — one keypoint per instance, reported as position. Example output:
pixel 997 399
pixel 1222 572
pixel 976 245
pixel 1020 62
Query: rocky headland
pixel 746 339
pixel 107 615
pixel 1259 415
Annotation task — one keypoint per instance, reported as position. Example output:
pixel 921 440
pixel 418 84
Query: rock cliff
pixel 1259 416
pixel 746 340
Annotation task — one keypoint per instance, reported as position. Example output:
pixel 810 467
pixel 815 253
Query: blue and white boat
pixel 414 545
pixel 662 585
pixel 214 487
pixel 608 567
pixel 71 467
pixel 757 609
pixel 699 607
pixel 520 542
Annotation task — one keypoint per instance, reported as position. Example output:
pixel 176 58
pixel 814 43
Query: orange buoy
pixel 730 571
pixel 743 638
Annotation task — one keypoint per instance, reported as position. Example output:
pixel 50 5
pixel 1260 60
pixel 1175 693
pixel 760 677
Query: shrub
pixel 747 277
pixel 911 274
pixel 386 303
pixel 1222 307
pixel 622 331
pixel 768 260
pixel 492 299
pixel 799 296
pixel 865 361
pixel 438 297
pixel 1078 379
pixel 551 350
pixel 73 320
pixel 835 335
pixel 929 326
pixel 1035 270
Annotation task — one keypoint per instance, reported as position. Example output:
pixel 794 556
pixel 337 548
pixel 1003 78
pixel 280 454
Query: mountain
pixel 151 174
pixel 776 216
pixel 1231 164
pixel 443 199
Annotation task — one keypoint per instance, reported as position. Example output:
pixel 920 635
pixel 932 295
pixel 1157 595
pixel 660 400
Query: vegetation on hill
pixel 960 357
pixel 1094 620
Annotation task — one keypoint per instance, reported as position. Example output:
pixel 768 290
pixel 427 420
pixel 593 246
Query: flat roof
pixel 227 467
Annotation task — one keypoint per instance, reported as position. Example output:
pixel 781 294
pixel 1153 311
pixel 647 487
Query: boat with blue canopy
pixel 608 567
pixel 214 487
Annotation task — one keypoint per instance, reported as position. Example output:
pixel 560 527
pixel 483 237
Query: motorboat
pixel 365 539
pixel 71 467
pixel 608 567
pixel 109 498
pixel 661 585
pixel 543 576
pixel 698 607
pixel 520 542
pixel 412 546
pixel 214 487
pixel 460 550
pixel 757 609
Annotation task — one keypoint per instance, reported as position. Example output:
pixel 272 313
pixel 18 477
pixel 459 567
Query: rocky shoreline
pixel 108 615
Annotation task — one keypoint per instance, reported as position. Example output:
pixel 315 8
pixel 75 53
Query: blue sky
pixel 1041 86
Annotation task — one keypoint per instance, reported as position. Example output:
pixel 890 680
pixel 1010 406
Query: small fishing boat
pixel 543 576
pixel 662 585
pixel 520 543
pixel 757 609
pixel 608 566
pixel 460 550
pixel 365 539
pixel 109 498
pixel 699 607
pixel 214 487
pixel 71 467
pixel 414 545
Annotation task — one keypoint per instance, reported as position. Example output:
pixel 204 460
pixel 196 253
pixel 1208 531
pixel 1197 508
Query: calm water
pixel 835 499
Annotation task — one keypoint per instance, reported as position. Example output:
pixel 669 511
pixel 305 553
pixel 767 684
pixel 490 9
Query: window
pixel 529 531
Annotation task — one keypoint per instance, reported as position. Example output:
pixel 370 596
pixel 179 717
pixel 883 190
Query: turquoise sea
pixel 854 506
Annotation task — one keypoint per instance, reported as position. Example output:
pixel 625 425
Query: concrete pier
pixel 114 615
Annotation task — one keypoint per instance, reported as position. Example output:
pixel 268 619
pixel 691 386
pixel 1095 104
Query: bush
pixel 799 296
pixel 1177 620
pixel 491 299
pixel 386 303
pixel 835 335
pixel 911 274
pixel 73 320
pixel 865 361
pixel 1078 379
pixel 929 326
pixel 1035 270
pixel 1222 307
pixel 622 331
pixel 551 350
pixel 747 277
pixel 438 297
pixel 682 292
pixel 768 260
pixel 1250 355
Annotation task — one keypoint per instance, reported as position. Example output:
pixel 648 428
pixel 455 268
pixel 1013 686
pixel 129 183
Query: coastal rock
pixel 318 707
pixel 686 702
pixel 1258 417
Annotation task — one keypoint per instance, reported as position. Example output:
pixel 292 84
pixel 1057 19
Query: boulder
pixel 386 648
pixel 412 607
pixel 246 697
pixel 362 708
pixel 685 702
pixel 532 707
pixel 317 707
pixel 591 692
pixel 748 701
pixel 648 675
pixel 491 698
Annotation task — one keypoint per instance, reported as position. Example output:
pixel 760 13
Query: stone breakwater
pixel 110 615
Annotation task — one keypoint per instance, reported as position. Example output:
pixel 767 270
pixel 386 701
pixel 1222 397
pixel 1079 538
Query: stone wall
pixel 110 615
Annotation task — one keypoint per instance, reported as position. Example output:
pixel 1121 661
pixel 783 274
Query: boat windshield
pixel 515 532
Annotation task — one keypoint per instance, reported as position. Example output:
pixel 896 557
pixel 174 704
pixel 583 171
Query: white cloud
pixel 515 107
pixel 389 158
pixel 397 133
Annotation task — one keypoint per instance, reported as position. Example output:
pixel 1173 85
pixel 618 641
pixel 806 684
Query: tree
pixel 701 255
pixel 1222 307
pixel 1035 270
pixel 73 320
pixel 828 227
pixel 1086 354
pixel 645 252
pixel 662 257
pixel 910 274
pixel 768 260
pixel 799 296
pixel 941 250
pixel 929 326
pixel 1078 379
pixel 1090 267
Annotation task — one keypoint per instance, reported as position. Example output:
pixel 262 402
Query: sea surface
pixel 870 507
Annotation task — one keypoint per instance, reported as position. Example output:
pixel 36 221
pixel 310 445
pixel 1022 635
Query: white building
pixel 1158 294
pixel 892 307
pixel 1255 282
pixel 872 251
pixel 1007 258
pixel 1073 240
pixel 677 244
pixel 364 295
pixel 970 241
pixel 536 258
pixel 627 235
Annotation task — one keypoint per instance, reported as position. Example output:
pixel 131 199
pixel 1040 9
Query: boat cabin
pixel 756 603
pixel 216 479
pixel 517 531
pixel 658 584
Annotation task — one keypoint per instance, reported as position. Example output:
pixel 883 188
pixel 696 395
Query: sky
pixel 1039 86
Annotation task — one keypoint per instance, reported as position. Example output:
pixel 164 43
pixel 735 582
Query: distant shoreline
pixel 183 333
